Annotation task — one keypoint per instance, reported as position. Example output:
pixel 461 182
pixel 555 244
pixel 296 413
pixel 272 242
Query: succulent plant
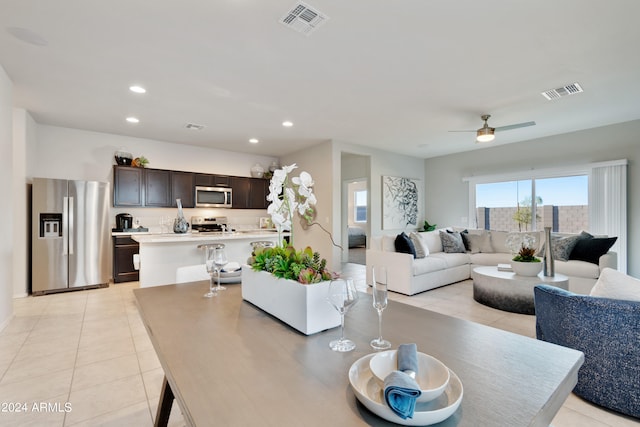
pixel 526 254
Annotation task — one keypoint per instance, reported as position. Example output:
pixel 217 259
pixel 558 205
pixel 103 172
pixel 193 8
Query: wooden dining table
pixel 228 363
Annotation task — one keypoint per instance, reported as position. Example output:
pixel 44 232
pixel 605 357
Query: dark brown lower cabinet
pixel 124 248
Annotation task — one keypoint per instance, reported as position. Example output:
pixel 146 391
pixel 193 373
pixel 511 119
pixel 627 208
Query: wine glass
pixel 220 260
pixel 342 295
pixel 211 269
pixel 379 291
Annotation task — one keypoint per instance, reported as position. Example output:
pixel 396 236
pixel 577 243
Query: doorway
pixel 356 207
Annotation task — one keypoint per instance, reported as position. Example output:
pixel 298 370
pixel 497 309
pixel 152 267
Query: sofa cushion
pixel 590 248
pixel 428 265
pixel 453 259
pixel 616 285
pixel 575 268
pixel 452 242
pixel 421 249
pixel 432 239
pixel 498 241
pixel 389 243
pixel 495 258
pixel 476 243
pixel 404 244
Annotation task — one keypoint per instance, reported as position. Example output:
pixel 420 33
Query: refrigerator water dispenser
pixel 50 225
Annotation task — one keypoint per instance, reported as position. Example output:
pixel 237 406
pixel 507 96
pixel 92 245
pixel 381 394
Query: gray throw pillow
pixel 562 247
pixel 452 242
pixel 479 243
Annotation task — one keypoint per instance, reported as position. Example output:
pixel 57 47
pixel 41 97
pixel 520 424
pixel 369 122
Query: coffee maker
pixel 124 221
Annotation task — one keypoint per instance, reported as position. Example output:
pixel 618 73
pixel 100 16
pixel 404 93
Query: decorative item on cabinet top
pixel 257 171
pixel 125 158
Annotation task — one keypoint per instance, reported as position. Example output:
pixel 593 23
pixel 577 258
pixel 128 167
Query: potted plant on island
pixel 287 283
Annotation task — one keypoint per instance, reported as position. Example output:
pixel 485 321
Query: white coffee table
pixel 505 290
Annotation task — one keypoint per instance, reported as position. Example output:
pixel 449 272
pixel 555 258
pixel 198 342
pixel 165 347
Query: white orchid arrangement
pixel 516 241
pixel 289 195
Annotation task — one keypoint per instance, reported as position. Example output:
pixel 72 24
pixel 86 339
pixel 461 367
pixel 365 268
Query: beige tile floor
pixel 90 351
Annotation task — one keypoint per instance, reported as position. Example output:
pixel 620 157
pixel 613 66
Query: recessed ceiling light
pixel 133 120
pixel 137 89
pixel 287 124
pixel 253 141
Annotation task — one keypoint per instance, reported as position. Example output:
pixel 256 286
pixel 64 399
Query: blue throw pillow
pixel 404 244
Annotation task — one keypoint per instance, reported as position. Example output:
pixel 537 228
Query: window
pixel 360 205
pixel 590 197
pixel 558 202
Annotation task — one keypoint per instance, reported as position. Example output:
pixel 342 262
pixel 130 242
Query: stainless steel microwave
pixel 213 197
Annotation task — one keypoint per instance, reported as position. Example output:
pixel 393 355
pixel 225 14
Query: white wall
pixel 64 153
pixel 447 195
pixel 24 138
pixel 79 154
pixel 6 213
pixel 318 162
pixel 385 163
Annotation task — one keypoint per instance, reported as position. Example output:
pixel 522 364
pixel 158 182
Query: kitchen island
pixel 162 254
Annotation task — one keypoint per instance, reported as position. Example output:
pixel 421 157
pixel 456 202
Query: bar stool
pixel 262 244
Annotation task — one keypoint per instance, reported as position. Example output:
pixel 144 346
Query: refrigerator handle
pixel 71 225
pixel 65 233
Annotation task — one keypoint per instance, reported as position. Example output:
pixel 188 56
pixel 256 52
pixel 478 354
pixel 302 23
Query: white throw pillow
pixel 616 285
pixel 425 246
pixel 421 248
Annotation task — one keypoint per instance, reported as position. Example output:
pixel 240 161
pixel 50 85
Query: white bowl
pixel 369 393
pixel 432 376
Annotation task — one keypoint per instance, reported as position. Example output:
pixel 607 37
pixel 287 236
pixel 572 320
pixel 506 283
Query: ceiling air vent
pixel 570 89
pixel 194 126
pixel 303 18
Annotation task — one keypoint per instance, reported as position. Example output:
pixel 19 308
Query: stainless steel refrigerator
pixel 70 235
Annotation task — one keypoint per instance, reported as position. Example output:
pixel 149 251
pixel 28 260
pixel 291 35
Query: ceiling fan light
pixel 485 134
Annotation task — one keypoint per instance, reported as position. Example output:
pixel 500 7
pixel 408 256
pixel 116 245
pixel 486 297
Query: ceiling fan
pixel 486 133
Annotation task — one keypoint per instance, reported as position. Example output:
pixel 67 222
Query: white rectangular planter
pixel 304 307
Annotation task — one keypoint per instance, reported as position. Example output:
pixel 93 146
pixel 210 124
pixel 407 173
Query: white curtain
pixel 608 205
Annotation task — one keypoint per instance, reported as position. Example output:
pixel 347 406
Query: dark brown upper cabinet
pixel 128 187
pixel 183 188
pixel 157 190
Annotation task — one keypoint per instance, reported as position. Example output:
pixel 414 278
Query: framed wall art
pixel 399 202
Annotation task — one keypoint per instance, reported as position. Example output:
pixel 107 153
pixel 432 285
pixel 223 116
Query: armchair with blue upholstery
pixel 607 331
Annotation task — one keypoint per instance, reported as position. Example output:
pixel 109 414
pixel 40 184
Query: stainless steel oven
pixel 213 197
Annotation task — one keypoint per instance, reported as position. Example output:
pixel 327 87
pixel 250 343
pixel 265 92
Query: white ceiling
pixel 391 74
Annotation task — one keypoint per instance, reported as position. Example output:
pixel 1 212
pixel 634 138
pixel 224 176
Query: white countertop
pixel 197 237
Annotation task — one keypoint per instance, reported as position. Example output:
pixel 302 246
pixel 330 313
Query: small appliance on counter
pixel 124 224
pixel 216 224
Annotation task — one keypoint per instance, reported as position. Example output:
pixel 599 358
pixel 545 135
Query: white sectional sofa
pixel 409 275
